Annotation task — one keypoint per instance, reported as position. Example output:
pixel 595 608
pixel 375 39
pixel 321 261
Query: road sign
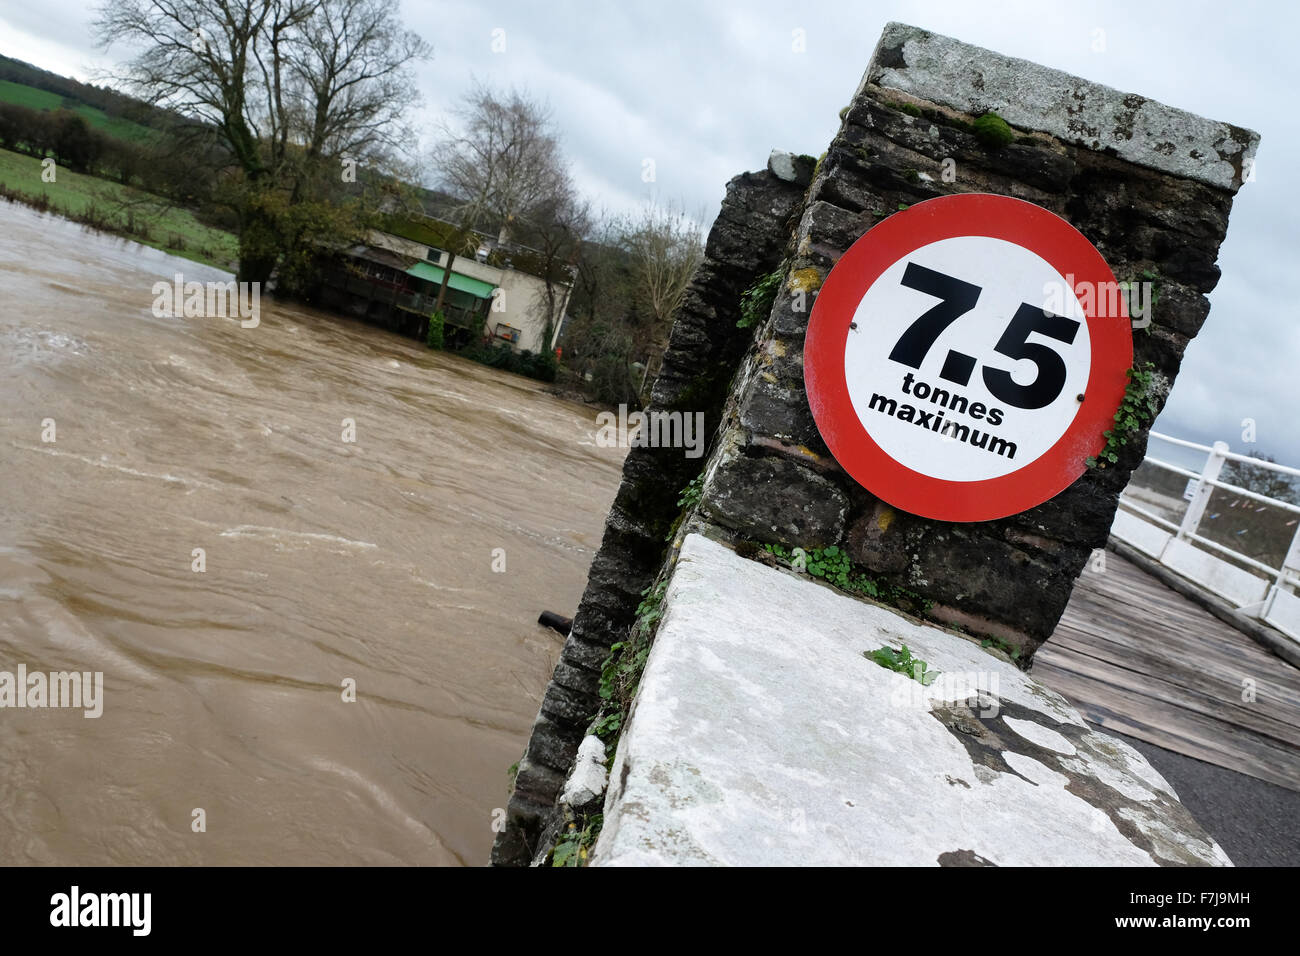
pixel 965 355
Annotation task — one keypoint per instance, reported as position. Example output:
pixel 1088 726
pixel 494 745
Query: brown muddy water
pixel 325 561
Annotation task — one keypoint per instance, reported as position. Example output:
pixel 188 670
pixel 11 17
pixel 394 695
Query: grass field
pixel 124 210
pixel 34 99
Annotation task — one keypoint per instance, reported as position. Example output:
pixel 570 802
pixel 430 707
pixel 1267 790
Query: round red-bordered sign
pixel 964 357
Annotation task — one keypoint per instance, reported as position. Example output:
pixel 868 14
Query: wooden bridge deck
pixel 1140 659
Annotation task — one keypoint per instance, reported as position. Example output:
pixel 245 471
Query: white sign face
pixel 967 358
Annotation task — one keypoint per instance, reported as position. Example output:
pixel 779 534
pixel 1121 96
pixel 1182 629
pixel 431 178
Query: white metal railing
pixel 1275 603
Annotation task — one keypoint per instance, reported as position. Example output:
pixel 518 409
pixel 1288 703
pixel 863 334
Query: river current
pixel 410 563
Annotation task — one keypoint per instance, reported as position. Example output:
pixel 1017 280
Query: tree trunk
pixel 259 245
pixel 446 277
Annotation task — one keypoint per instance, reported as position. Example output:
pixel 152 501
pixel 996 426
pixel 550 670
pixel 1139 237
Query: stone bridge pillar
pixel 1149 186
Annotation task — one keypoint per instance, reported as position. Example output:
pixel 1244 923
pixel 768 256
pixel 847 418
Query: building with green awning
pixel 461 283
pixel 394 278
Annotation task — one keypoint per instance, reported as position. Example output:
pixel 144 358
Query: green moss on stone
pixel 992 130
pixel 908 108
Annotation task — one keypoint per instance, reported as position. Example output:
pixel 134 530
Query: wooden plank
pixel 1275 693
pixel 1137 657
pixel 1208 705
pixel 1220 653
pixel 1205 635
pixel 1170 727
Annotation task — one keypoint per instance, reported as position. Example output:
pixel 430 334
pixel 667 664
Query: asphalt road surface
pixel 1257 823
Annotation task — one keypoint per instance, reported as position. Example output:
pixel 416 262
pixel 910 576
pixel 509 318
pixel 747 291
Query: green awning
pixel 432 273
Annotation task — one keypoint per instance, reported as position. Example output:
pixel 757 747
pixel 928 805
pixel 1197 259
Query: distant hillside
pixel 109 111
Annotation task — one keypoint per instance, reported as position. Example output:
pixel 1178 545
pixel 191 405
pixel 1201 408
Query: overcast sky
pixel 706 89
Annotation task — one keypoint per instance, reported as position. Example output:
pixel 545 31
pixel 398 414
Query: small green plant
pixel 690 496
pixel 574 845
pixel 830 564
pixel 1136 410
pixel 834 566
pixel 609 724
pixel 756 301
pixel 512 773
pixel 434 338
pixel 687 499
pixel 621 672
pixel 903 662
pixel 992 130
pixel 909 108
pixel 818 167
pixel 1003 646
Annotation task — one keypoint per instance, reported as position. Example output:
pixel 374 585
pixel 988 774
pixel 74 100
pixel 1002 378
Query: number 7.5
pixel 956 299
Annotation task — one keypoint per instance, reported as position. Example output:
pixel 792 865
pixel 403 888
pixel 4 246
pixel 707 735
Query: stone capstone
pixel 762 736
pixel 1028 95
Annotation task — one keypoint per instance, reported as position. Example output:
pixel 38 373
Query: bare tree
pixel 286 86
pixel 666 247
pixel 501 161
pixel 349 79
pixel 555 228
pixel 1261 480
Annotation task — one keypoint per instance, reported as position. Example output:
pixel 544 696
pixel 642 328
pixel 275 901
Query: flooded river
pixel 325 561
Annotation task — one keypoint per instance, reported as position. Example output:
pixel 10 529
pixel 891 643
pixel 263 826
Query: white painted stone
pixel 588 779
pixel 1031 96
pixel 762 736
pixel 1043 736
pixel 781 165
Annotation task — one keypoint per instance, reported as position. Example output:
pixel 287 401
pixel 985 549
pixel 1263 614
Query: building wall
pixel 521 304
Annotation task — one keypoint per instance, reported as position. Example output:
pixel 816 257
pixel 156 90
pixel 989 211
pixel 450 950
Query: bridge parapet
pixel 1149 186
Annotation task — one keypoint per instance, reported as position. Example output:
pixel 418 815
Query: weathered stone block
pixel 1027 95
pixel 781 412
pixel 568 707
pixel 551 746
pixel 536 784
pixel 777 501
pixel 791 168
pixel 884 539
pixel 965 567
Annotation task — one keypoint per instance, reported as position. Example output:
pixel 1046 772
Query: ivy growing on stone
pixel 1003 646
pixel 574 845
pixel 833 565
pixel 1136 411
pixel 620 675
pixel 686 500
pixel 756 301
pixel 690 496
